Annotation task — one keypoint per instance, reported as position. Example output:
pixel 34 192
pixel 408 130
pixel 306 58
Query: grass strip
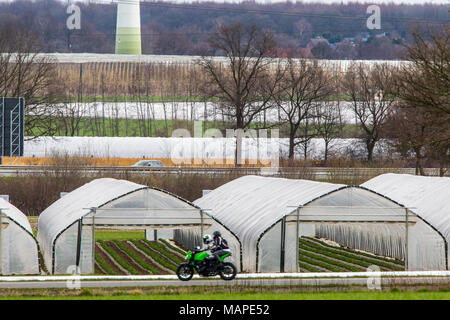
pixel 156 256
pixel 162 250
pixel 105 266
pixel 172 247
pixel 117 257
pixel 344 255
pixel 136 258
pixel 395 261
pixel 338 264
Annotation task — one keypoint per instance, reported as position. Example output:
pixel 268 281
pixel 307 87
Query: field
pixel 318 256
pixel 127 252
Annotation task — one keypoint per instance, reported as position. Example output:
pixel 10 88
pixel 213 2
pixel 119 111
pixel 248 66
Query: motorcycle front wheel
pixel 228 271
pixel 185 272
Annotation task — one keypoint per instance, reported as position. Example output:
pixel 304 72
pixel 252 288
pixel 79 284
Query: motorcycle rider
pixel 220 246
pixel 216 244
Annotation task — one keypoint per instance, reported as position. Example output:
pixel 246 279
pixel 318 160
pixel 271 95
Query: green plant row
pixel 136 258
pixel 328 253
pixel 105 266
pixel 117 257
pixel 342 265
pixel 156 256
pixel 163 251
pixel 172 247
pixel 352 255
pixel 395 261
pixel 326 266
pixel 309 268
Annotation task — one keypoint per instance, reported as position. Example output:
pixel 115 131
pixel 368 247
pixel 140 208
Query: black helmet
pixel 206 239
pixel 216 234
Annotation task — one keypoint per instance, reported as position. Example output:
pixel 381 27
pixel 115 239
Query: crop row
pixel 313 254
pixel 147 257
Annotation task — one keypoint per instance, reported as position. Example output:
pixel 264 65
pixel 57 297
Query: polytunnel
pixel 268 215
pixel 66 229
pixel 19 249
pixel 429 199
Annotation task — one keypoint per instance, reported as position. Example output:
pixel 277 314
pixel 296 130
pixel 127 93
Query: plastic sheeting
pixel 65 229
pixel 19 250
pixel 250 205
pixel 428 197
pixel 262 213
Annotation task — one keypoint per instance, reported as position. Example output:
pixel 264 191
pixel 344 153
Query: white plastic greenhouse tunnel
pixel 66 229
pixel 268 215
pixel 19 249
pixel 429 199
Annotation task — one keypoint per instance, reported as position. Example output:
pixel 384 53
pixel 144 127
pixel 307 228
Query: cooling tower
pixel 128 29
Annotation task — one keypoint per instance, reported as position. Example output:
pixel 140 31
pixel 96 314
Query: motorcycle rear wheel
pixel 228 271
pixel 185 272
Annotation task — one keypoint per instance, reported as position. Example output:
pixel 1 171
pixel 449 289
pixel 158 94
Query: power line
pixel 267 12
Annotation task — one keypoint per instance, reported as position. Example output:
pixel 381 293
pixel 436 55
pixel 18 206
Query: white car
pixel 148 163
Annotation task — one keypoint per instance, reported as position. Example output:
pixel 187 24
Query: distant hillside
pixel 329 31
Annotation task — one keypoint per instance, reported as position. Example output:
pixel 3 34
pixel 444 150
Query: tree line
pixel 408 105
pixel 171 28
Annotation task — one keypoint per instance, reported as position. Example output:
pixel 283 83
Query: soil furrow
pixel 118 269
pixel 157 252
pixel 129 260
pixel 356 255
pixel 161 268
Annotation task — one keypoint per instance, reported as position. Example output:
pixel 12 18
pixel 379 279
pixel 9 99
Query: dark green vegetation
pixel 318 256
pixel 121 127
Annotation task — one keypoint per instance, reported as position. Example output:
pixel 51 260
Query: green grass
pixel 349 295
pixel 121 235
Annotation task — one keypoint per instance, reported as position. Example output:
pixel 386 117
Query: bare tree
pixel 372 93
pixel 24 73
pixel 425 81
pixel 238 83
pixel 303 86
pixel 328 123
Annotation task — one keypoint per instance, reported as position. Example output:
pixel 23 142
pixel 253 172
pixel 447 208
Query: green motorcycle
pixel 206 265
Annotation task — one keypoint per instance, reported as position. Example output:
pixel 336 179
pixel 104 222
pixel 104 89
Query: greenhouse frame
pixel 429 198
pixel 66 229
pixel 19 249
pixel 268 215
